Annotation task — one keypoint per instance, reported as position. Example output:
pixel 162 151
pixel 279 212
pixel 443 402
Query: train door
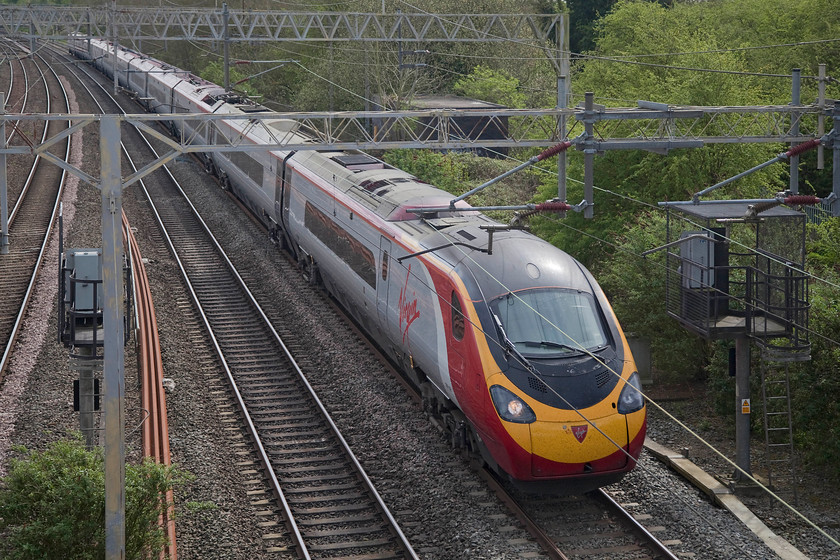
pixel 280 207
pixel 382 282
pixel 281 200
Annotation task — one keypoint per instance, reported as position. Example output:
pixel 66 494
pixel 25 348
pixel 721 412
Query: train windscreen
pixel 550 322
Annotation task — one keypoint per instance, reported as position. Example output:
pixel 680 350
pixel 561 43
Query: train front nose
pixel 567 448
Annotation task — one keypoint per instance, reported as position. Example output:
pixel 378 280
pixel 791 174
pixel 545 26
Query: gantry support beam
pixel 634 128
pixel 200 24
pixel 653 127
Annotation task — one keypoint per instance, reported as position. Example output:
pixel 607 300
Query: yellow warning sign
pixel 745 406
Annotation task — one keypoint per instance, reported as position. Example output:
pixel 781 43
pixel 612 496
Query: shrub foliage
pixel 52 505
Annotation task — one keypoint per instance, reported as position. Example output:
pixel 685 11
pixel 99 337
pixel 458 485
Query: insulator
pixel 795 199
pixel 803 147
pixel 763 206
pixel 553 207
pixel 554 150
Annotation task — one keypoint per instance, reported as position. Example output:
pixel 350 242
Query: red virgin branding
pixel 408 308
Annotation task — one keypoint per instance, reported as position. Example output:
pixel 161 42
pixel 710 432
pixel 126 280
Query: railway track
pixel 34 207
pixel 331 508
pixel 588 526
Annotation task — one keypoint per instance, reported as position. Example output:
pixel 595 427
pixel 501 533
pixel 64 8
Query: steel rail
pixel 548 545
pixel 18 322
pixel 251 427
pixel 243 407
pixel 155 434
pixel 640 529
pixel 11 72
pixel 155 430
pixel 16 130
pixel 11 85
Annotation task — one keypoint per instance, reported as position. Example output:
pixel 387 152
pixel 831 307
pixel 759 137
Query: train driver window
pixel 385 265
pixel 457 318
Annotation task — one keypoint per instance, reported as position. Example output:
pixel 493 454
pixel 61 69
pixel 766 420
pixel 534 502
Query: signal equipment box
pixel 81 298
pixel 737 269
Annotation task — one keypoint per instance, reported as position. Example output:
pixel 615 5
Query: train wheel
pixel 209 166
pixel 309 269
pixel 277 238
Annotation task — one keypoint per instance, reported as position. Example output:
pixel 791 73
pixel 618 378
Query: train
pixel 515 347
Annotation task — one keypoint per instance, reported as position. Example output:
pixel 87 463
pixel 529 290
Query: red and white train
pixel 518 351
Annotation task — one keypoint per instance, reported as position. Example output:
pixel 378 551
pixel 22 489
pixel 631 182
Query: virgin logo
pixel 580 432
pixel 408 309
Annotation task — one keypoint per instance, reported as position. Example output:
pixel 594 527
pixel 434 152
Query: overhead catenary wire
pixel 655 404
pixel 432 290
pixel 613 372
pixel 327 80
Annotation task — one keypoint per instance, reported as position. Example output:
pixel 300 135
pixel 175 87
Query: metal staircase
pixel 778 427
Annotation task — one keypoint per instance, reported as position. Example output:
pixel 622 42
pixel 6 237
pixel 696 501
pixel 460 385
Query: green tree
pixel 635 287
pixel 816 384
pixel 52 505
pixel 495 86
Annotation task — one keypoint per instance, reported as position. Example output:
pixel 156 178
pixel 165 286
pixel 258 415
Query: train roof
pixel 386 190
pixel 519 260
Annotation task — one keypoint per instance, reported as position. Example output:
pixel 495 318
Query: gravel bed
pixel 443 506
pixel 818 501
pixel 37 392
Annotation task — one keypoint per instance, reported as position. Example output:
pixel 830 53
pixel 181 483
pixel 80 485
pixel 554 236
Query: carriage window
pixel 457 318
pixel 385 265
pixel 349 249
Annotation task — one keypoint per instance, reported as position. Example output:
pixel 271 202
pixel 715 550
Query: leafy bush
pixel 441 170
pixel 816 384
pixel 824 244
pixel 52 505
pixel 495 86
pixel 635 287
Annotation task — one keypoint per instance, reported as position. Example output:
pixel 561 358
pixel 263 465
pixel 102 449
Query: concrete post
pixel 794 160
pixel 835 206
pixel 589 156
pixel 226 45
pixel 115 40
pixel 561 157
pixel 87 419
pixel 563 95
pixel 821 117
pixel 743 407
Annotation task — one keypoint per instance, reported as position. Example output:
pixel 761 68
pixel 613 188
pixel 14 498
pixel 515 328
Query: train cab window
pixel 458 325
pixel 550 323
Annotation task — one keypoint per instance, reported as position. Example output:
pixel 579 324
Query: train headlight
pixel 631 399
pixel 510 407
